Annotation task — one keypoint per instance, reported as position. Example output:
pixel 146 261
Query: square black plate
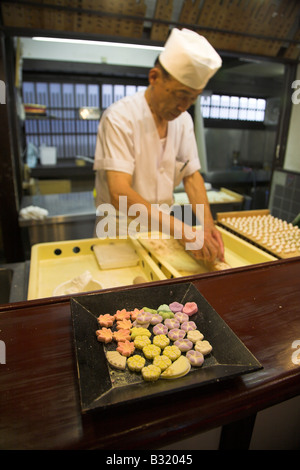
pixel 101 386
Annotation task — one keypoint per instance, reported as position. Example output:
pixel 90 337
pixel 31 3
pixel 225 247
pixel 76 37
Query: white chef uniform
pixel 128 141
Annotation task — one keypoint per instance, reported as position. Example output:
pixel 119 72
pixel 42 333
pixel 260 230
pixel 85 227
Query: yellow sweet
pixel 173 352
pixel 162 362
pixel 136 363
pixel 151 373
pixel 141 340
pixel 150 351
pixel 161 340
pixel 179 368
pixel 139 331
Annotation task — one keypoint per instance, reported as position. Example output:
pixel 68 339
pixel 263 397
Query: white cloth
pixel 190 58
pixel 33 213
pixel 128 141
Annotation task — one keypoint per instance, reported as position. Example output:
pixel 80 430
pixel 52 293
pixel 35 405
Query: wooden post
pixel 9 160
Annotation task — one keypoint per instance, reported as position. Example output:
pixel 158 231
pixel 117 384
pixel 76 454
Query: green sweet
pixel 164 308
pixel 150 310
pixel 166 315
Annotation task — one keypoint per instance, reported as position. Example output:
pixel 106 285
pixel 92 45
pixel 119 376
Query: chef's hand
pixel 213 247
pixel 210 248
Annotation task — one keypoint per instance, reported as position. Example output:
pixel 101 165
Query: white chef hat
pixel 189 58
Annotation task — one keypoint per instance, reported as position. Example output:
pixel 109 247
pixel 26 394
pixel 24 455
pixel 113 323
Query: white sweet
pixel 203 346
pixel 116 359
pixel 195 335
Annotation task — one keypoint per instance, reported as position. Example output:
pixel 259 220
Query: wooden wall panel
pixel 265 18
pixel 163 10
pixel 79 21
pixel 190 11
pixel 258 27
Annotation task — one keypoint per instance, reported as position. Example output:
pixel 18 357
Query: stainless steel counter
pixel 65 205
pixel 71 216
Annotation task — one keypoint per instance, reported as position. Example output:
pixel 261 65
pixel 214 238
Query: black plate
pixel 101 386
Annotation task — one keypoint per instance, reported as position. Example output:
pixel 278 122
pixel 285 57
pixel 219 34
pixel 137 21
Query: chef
pixel 146 143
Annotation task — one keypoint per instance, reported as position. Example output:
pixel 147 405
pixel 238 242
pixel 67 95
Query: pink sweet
pixel 188 325
pixel 175 307
pixel 190 308
pixel 184 344
pixel 181 317
pixel 195 357
pixel 176 333
pixel 160 329
pixel 171 323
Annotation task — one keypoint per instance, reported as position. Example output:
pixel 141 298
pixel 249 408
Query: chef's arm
pixel 213 247
pixel 120 184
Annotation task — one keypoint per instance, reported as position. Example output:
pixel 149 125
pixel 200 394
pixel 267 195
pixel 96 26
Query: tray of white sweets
pixel 139 343
pixel 274 235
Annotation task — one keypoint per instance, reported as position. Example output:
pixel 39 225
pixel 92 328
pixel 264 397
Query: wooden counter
pixel 39 399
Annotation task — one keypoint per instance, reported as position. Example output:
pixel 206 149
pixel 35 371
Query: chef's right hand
pixel 204 245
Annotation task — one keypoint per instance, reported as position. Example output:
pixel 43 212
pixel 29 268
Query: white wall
pixel 292 155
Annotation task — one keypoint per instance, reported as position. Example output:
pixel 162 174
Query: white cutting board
pixel 116 255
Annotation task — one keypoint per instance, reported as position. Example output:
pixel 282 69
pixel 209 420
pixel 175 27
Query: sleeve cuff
pixel 115 165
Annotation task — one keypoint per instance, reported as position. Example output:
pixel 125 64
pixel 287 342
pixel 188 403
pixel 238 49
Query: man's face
pixel 170 98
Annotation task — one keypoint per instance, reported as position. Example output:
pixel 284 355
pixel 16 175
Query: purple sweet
pixel 156 318
pixel 181 317
pixel 144 317
pixel 188 325
pixel 176 307
pixel 160 329
pixel 176 333
pixel 184 344
pixel 172 323
pixel 195 357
